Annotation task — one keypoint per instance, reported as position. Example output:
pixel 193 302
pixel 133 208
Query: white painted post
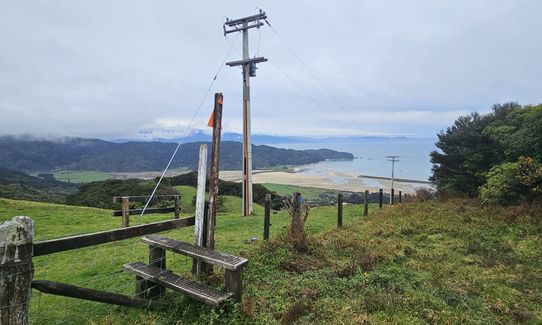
pixel 200 202
pixel 16 270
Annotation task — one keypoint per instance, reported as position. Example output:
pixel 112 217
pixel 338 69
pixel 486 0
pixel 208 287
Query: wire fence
pixel 100 267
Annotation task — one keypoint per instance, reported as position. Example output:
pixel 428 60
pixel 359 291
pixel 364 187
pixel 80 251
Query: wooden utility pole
pixel 16 269
pixel 249 70
pixel 393 159
pixel 215 161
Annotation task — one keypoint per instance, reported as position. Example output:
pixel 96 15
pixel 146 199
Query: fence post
pixel 366 210
pixel 392 198
pixel 400 197
pixel 16 269
pixel 125 211
pixel 339 210
pixel 380 198
pixel 177 208
pixel 200 221
pixel 267 217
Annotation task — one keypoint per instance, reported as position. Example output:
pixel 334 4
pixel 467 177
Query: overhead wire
pixel 303 91
pixel 313 75
pixel 181 140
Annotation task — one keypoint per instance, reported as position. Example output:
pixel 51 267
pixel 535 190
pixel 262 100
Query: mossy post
pixel 400 196
pixel 296 230
pixel 16 269
pixel 267 217
pixel 366 209
pixel 339 210
pixel 392 198
pixel 380 198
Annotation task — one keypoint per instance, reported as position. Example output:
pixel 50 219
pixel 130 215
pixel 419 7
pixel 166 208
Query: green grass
pixel 81 176
pixel 406 264
pixel 310 193
pixel 99 267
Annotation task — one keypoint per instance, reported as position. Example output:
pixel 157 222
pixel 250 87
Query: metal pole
pixel 247 137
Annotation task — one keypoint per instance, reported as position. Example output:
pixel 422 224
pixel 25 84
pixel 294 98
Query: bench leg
pixel 234 282
pixel 140 287
pixel 157 258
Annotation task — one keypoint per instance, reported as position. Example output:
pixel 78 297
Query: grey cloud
pixel 112 68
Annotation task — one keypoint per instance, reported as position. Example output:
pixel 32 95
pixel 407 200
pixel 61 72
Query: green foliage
pixel 511 183
pixel 476 143
pixel 100 194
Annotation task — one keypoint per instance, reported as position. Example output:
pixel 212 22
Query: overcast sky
pixel 121 69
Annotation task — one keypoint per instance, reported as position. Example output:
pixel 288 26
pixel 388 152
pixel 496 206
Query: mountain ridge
pixel 32 154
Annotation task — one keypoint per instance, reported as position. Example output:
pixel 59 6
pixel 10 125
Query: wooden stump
pixel 16 269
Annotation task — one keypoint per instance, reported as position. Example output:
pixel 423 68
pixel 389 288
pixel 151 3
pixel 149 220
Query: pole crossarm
pixel 247 61
pixel 241 24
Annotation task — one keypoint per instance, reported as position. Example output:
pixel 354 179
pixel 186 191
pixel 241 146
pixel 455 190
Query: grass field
pixel 100 266
pixel 309 193
pixel 432 263
pixel 81 176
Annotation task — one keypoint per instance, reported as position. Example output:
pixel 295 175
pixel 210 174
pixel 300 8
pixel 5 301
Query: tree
pixel 465 155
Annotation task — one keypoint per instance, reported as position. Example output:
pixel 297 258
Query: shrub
pixel 512 183
pixel 421 195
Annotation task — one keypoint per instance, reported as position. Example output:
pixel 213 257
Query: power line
pixel 181 140
pixel 303 91
pixel 313 75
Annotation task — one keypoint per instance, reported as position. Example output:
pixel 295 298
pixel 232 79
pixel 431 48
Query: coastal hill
pixel 33 154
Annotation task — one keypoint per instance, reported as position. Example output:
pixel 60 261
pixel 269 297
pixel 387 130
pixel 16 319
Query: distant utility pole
pixel 249 70
pixel 393 159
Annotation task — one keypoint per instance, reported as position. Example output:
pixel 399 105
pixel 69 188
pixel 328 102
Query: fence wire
pixel 100 267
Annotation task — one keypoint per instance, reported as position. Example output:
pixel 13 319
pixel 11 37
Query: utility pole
pixel 393 159
pixel 249 70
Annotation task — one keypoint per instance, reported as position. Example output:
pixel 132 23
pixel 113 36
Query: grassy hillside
pixel 100 266
pixel 412 263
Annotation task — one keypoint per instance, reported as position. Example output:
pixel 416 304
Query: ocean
pixel 371 155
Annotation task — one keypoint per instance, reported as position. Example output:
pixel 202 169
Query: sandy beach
pixel 328 180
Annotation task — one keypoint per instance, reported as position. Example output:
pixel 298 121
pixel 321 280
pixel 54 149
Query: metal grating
pixel 165 278
pixel 224 260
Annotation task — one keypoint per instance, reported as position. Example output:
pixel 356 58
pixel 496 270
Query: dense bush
pixel 511 183
pixel 476 143
pixel 100 194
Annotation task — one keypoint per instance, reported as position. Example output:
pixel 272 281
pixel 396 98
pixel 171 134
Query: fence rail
pixel 86 240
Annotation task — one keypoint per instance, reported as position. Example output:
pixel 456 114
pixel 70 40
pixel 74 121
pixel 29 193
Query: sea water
pixel 414 161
